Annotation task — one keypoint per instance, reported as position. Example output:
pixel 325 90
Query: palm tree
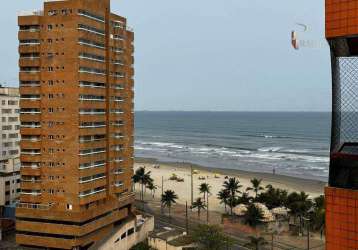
pixel 256 243
pixel 168 199
pixel 204 188
pixel 199 205
pixel 224 196
pixel 256 186
pixel 233 186
pixel 299 204
pixel 318 217
pixel 245 198
pixel 152 187
pixel 253 216
pixel 143 178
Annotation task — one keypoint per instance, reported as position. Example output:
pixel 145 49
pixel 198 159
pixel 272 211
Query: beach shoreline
pixel 312 187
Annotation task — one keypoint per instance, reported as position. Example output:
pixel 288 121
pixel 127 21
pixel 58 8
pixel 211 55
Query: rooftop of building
pixel 9 91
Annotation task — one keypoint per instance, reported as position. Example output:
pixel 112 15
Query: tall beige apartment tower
pixel 76 86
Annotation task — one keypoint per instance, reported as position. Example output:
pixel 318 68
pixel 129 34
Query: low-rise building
pixel 124 236
pixel 170 239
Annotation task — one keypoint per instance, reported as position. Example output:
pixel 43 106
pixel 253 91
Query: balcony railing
pixel 92 165
pixel 33 152
pixel 92 112
pixel 92 151
pixel 33 206
pixel 91 179
pixel 91 16
pixel 33 193
pixel 30 112
pixel 92 192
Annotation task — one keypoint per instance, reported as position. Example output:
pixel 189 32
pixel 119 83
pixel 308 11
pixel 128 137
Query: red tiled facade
pixel 341 219
pixel 76 86
pixel 341 18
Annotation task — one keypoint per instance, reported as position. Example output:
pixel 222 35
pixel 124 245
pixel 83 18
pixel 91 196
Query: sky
pixel 213 55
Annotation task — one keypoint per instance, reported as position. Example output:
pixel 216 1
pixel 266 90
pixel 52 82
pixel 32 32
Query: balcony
pixel 31 192
pixel 92 112
pixel 31 152
pixel 29 42
pixel 30 70
pixel 117 111
pixel 30 125
pixel 91 138
pixel 118 136
pixel 29 28
pixel 118 172
pixel 30 84
pixel 117 148
pixel 117 86
pixel 91 16
pixel 33 206
pixel 93 151
pixel 85 84
pixel 118 184
pixel 91 29
pixel 91 192
pixel 92 98
pixel 31 165
pixel 92 57
pixel 93 71
pixel 30 111
pixel 93 125
pixel 30 97
pixel 90 43
pixel 117 160
pixel 31 138
pixel 92 178
pixel 90 165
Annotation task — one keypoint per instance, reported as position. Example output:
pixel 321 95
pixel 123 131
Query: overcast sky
pixel 213 54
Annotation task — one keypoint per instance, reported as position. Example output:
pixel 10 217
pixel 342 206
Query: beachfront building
pixel 342 193
pixel 9 147
pixel 76 85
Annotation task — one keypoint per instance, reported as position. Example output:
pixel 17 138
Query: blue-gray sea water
pixel 292 143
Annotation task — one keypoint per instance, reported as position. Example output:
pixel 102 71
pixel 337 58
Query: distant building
pixel 76 84
pixel 9 147
pixel 170 239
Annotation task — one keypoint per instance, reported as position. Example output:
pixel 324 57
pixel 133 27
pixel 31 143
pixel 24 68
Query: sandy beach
pixel 215 178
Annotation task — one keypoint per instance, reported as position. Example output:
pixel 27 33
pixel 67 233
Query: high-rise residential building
pixel 76 86
pixel 9 124
pixel 9 146
pixel 342 193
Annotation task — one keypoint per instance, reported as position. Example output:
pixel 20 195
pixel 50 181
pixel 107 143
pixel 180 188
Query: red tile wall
pixel 341 219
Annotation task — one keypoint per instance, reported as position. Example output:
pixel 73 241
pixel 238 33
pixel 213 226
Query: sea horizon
pixel 288 143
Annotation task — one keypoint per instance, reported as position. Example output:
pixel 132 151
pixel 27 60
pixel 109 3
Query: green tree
pixel 211 237
pixel 256 186
pixel 299 204
pixel 143 178
pixel 253 216
pixel 273 197
pixel 233 186
pixel 142 246
pixel 318 217
pixel 224 196
pixel 204 189
pixel 199 205
pixel 245 198
pixel 168 199
pixel 152 187
pixel 256 243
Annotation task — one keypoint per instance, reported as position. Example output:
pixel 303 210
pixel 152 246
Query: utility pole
pixel 308 234
pixel 192 185
pixel 161 204
pixel 186 218
pixel 207 209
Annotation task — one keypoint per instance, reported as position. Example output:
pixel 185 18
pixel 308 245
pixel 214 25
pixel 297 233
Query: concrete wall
pixel 115 242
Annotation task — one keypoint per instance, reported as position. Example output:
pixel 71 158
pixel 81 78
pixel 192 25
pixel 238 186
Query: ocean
pixel 289 143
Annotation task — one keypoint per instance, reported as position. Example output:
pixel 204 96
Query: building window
pixel 69 206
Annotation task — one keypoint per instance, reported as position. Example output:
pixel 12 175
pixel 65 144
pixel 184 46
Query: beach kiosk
pixel 342 192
